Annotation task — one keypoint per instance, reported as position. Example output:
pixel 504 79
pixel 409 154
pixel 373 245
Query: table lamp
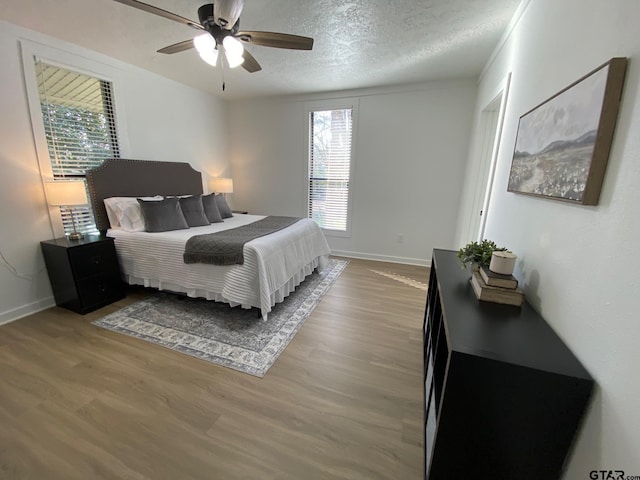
pixel 68 194
pixel 221 185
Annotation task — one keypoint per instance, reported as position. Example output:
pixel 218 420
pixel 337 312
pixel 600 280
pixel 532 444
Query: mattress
pixel 273 264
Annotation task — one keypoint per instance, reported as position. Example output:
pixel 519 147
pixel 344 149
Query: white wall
pixel 159 119
pixel 579 265
pixel 409 154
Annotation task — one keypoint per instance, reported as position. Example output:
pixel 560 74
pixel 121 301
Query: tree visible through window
pixel 80 128
pixel 329 167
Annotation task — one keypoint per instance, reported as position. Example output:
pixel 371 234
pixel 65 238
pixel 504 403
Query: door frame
pixel 489 150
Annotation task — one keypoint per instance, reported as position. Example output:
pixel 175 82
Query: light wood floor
pixel 343 401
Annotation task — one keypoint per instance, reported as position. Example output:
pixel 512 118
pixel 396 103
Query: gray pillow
pixel 193 211
pixel 223 206
pixel 163 215
pixel 211 208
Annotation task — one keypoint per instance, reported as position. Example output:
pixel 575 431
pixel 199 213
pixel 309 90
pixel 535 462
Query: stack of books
pixel 495 287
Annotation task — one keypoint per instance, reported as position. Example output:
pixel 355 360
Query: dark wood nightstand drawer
pixel 99 290
pixel 93 259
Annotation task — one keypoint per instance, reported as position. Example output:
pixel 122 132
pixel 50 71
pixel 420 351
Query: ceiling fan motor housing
pixel 205 15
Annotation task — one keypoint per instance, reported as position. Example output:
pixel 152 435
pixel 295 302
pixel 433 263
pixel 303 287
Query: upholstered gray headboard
pixel 138 178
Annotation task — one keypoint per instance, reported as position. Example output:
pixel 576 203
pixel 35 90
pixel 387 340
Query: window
pixel 79 126
pixel 330 167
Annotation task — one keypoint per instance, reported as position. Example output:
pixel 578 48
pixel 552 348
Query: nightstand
pixel 84 274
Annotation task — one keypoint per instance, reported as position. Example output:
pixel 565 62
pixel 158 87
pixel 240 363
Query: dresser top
pixel 517 335
pixel 65 242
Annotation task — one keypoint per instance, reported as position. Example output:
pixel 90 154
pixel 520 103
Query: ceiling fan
pixel 221 24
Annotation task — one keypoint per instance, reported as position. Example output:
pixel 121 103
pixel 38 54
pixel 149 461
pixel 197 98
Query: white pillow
pixel 125 212
pixel 110 207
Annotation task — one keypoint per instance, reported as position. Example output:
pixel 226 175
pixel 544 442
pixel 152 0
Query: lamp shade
pixel 204 43
pixel 233 50
pixel 234 61
pixel 65 193
pixel 206 46
pixel 221 185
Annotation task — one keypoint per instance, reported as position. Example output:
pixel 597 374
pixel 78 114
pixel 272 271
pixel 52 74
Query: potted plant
pixel 478 253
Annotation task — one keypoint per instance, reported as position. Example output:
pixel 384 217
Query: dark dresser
pixel 504 396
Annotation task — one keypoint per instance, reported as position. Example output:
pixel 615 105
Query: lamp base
pixel 76 236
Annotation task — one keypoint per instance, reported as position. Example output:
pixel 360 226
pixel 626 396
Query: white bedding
pixel 273 264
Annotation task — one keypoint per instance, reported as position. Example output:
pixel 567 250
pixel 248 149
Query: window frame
pixel 31 52
pixel 324 105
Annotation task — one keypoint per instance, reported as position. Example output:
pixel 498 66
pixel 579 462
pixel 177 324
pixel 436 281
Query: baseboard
pixel 24 310
pixel 382 258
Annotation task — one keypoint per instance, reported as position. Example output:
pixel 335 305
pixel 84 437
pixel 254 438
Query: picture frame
pixel 563 144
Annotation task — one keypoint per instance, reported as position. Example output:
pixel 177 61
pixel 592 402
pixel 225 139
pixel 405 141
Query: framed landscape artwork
pixel 563 144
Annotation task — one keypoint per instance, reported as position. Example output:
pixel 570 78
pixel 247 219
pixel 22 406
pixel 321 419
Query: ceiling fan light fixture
pixel 204 43
pixel 233 50
pixel 233 46
pixel 233 61
pixel 210 57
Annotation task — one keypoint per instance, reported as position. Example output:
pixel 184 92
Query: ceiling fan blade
pixel 162 13
pixel 227 12
pixel 250 64
pixel 277 40
pixel 177 47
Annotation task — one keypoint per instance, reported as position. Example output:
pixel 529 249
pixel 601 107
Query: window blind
pixel 329 167
pixel 80 129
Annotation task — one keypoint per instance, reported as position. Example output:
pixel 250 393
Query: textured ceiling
pixel 359 43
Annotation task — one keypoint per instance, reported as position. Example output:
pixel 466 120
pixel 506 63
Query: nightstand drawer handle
pixel 96 259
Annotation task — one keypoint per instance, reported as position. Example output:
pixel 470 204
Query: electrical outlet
pixel 400 238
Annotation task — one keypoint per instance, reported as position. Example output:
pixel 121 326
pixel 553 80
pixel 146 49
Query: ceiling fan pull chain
pixel 222 74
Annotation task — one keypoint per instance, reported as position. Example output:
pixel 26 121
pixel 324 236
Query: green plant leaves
pixel 479 252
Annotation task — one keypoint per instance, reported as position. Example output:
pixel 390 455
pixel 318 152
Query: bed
pixel 274 264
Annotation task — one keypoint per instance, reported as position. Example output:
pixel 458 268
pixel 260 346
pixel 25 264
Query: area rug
pixel 233 337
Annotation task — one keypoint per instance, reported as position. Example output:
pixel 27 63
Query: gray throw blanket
pixel 226 247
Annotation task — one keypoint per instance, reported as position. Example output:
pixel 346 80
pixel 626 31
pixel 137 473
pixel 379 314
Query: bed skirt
pixel 278 296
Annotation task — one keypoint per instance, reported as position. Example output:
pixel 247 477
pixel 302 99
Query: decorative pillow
pixel 111 213
pixel 193 211
pixel 163 215
pixel 125 213
pixel 211 208
pixel 223 206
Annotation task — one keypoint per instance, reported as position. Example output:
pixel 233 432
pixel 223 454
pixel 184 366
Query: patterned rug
pixel 232 337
